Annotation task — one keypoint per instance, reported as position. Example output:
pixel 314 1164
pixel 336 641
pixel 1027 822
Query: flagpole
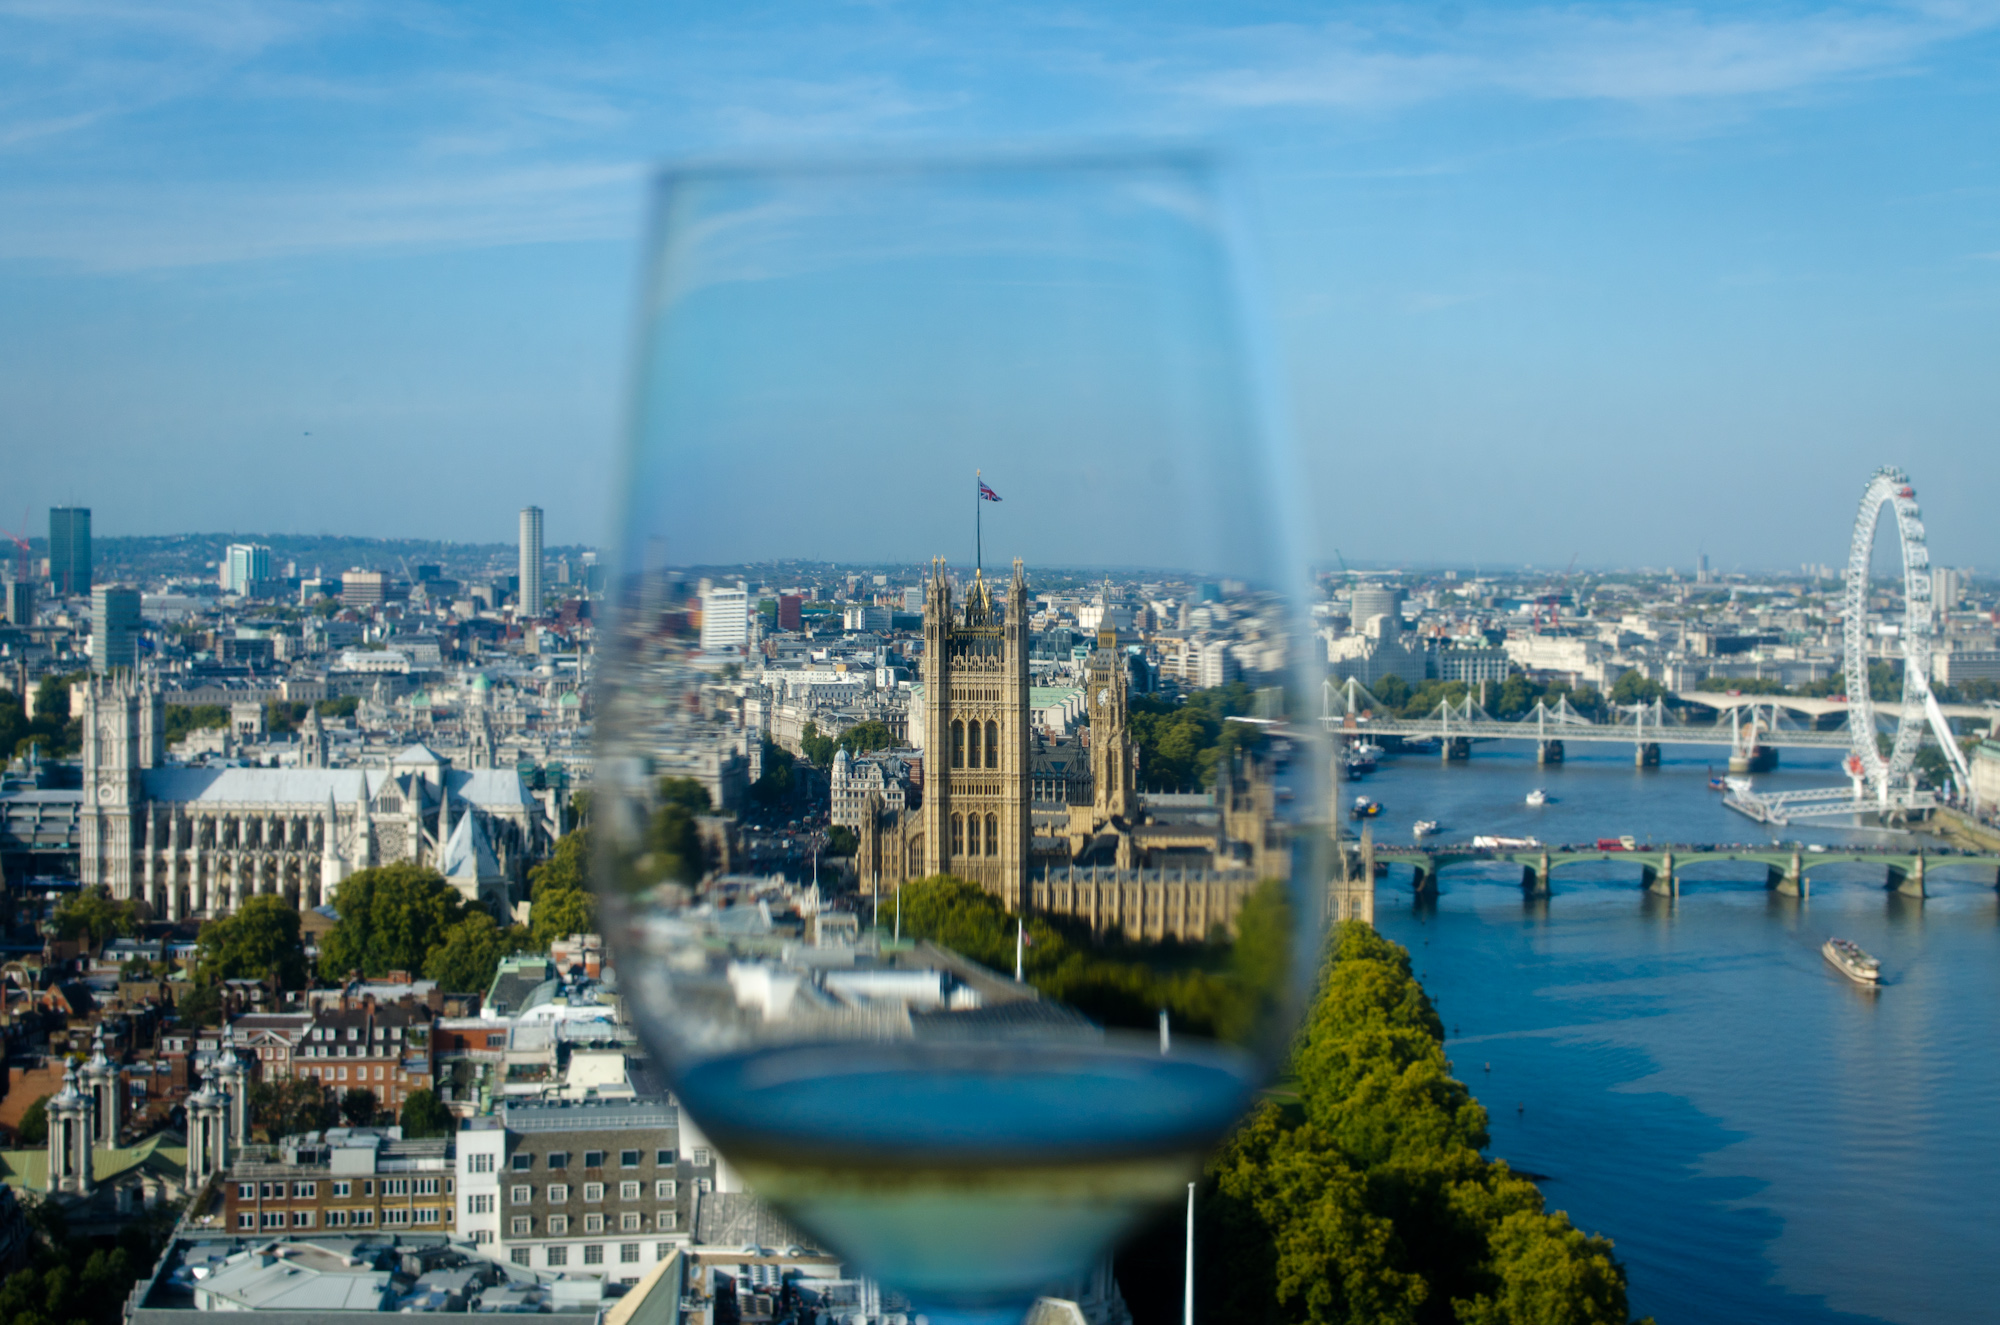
pixel 978 534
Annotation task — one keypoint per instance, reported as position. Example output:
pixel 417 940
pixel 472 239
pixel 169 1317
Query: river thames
pixel 1763 1140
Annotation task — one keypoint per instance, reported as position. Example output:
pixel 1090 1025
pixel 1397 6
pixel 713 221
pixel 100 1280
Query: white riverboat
pixel 1424 827
pixel 1852 962
pixel 1538 797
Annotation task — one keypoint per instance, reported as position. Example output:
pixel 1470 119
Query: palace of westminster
pixel 1148 866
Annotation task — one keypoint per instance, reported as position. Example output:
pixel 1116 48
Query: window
pixel 664 1189
pixel 558 1225
pixel 395 1186
pixel 520 1194
pixel 426 1187
pixel 705 1185
pixel 247 1219
pixel 559 1159
pixel 972 744
pixel 302 1219
pixel 246 1191
pixel 992 835
pixel 396 1214
pixel 365 1218
pixel 663 1157
pixel 701 1159
pixel 593 1223
pixel 336 1219
pixel 480 1163
pixel 628 1191
pixel 993 745
pixel 480 1203
pixel 521 1225
pixel 518 1255
pixel 368 1186
pixel 305 1190
pixel 481 1236
pixel 593 1159
pixel 631 1222
pixel 593 1191
pixel 274 1219
pixel 628 1159
pixel 629 1254
pixel 957 743
pixel 971 834
pixel 667 1221
pixel 427 1214
pixel 662 1250
pixel 523 1163
pixel 343 1074
pixel 558 1255
pixel 957 836
pixel 558 1193
pixel 593 1254
pixel 343 1188
pixel 274 1191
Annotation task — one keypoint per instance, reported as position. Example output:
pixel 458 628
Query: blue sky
pixel 1617 281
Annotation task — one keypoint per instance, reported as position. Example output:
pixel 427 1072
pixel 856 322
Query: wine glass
pixel 846 372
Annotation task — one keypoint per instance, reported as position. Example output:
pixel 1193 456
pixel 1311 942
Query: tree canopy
pixel 1182 743
pixel 817 747
pixel 259 941
pixel 423 1115
pixel 391 917
pixel 470 954
pixel 559 892
pixel 1368 1200
pixel 92 915
pixel 866 736
pixel 34 1126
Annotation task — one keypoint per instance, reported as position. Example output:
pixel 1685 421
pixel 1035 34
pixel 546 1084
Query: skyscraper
pixel 69 550
pixel 243 565
pixel 114 627
pixel 725 618
pixel 531 561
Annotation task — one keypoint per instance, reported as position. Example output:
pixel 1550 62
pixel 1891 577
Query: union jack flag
pixel 986 493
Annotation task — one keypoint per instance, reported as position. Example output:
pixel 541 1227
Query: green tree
pixel 184 718
pixel 866 736
pixel 817 749
pixel 391 917
pixel 34 1127
pixel 259 941
pixel 358 1106
pixel 136 969
pixel 560 898
pixel 201 1005
pixel 773 786
pixel 90 914
pixel 423 1115
pixel 288 1106
pixel 1635 687
pixel 466 960
pixel 687 793
pixel 842 841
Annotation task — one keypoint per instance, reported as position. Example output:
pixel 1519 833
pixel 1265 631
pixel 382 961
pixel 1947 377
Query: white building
pixel 854 778
pixel 244 564
pixel 725 619
pixel 531 561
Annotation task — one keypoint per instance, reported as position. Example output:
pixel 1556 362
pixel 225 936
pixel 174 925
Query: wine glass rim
pixel 933 158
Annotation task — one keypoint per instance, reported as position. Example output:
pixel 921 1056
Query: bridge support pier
pixel 1792 883
pixel 1548 752
pixel 1647 755
pixel 1757 759
pixel 1663 880
pixel 1909 882
pixel 1457 749
pixel 1535 878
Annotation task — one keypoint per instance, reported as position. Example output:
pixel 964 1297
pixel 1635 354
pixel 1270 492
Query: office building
pixel 21 602
pixel 1947 587
pixel 244 565
pixel 725 619
pixel 364 588
pixel 788 611
pixel 344 1178
pixel 114 627
pixel 599 1188
pixel 69 550
pixel 531 561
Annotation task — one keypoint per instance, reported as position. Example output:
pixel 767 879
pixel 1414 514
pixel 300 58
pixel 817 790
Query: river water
pixel 1763 1140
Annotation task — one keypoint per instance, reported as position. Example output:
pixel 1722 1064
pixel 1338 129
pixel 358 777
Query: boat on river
pixel 1424 827
pixel 1538 797
pixel 1852 962
pixel 1496 842
pixel 1365 808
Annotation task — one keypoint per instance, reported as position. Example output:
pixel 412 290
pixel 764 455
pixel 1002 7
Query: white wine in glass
pixel 1075 804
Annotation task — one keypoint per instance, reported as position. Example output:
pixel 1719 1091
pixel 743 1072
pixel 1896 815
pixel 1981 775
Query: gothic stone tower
pixel 1113 758
pixel 976 786
pixel 123 735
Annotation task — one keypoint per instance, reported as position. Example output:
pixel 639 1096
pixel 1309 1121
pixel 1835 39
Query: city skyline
pixel 1673 276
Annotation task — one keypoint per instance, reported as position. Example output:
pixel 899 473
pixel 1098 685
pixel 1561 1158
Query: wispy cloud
pixel 1622 53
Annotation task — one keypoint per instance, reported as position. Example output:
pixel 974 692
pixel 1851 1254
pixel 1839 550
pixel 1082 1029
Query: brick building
pixel 383 1047
pixel 345 1178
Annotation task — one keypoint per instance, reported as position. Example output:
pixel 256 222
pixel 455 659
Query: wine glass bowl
pixel 1081 795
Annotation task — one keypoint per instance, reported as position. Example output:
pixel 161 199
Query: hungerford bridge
pixel 1882 782
pixel 1662 870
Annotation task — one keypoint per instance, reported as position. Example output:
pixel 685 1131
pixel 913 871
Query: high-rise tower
pixel 69 550
pixel 531 561
pixel 114 627
pixel 976 821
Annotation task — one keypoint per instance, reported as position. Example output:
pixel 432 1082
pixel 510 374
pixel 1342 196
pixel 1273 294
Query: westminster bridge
pixel 1788 870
